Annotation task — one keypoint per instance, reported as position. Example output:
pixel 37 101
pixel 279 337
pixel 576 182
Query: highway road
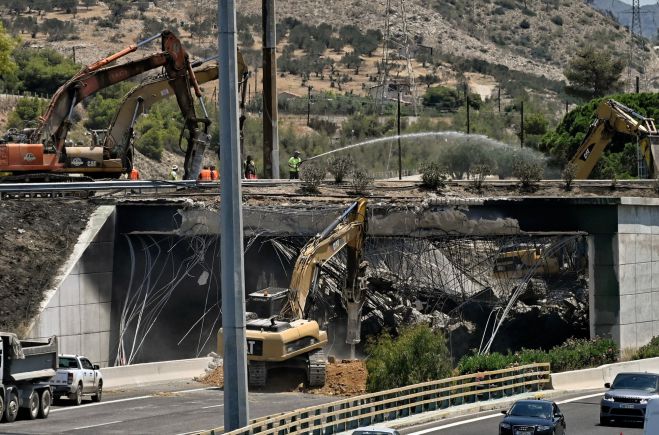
pixel 163 409
pixel 581 415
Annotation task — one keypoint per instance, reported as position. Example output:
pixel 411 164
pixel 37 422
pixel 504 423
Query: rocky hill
pixel 536 37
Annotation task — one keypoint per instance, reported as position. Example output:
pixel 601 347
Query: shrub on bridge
pixel 650 350
pixel 574 354
pixel 417 355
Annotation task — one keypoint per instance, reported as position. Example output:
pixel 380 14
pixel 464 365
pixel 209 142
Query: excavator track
pixel 43 177
pixel 316 369
pixel 257 373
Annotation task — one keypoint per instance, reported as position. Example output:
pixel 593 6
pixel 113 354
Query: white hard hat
pixel 174 168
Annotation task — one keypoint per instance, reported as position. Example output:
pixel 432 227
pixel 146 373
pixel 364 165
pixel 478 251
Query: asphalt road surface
pixel 581 415
pixel 164 409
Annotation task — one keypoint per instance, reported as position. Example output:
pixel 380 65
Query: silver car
pixel 628 396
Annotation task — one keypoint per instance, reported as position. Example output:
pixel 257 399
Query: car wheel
pixel 11 409
pixel 44 404
pixel 32 410
pixel 99 393
pixel 77 399
pixel 2 407
pixel 604 421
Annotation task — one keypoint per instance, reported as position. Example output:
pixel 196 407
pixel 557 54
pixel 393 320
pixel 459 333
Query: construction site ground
pixel 344 378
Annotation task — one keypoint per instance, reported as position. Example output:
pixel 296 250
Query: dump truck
pixel 26 368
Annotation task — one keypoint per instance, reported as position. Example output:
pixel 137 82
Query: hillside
pixel 621 11
pixel 533 37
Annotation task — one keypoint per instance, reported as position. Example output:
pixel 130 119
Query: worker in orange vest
pixel 205 174
pixel 215 175
pixel 134 175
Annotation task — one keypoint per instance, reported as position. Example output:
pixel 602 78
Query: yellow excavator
pixel 614 117
pixel 277 329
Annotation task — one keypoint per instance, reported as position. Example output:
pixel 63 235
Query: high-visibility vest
pixel 215 175
pixel 294 164
pixel 134 174
pixel 205 175
pixel 173 175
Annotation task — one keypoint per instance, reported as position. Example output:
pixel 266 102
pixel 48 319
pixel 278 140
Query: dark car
pixel 533 417
pixel 628 396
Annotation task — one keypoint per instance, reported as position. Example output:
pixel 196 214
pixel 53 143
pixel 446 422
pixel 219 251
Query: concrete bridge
pixel 85 307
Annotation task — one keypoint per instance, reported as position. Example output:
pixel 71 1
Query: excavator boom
pixel 45 151
pixel 614 117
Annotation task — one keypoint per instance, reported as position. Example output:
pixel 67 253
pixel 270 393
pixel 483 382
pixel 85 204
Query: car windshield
pixel 635 382
pixel 531 409
pixel 67 363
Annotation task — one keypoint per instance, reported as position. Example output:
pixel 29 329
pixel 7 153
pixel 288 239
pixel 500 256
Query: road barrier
pixel 354 412
pixel 596 377
pixel 141 374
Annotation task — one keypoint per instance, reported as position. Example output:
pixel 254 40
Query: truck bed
pixel 30 360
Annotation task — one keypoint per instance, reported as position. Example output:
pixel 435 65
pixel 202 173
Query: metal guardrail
pixel 368 409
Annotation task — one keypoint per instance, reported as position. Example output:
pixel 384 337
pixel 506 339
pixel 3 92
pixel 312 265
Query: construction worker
pixel 134 175
pixel 215 175
pixel 294 166
pixel 173 175
pixel 250 168
pixel 205 174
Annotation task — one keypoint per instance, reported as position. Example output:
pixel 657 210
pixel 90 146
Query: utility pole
pixel 566 106
pixel 521 130
pixel 236 406
pixel 499 97
pixel 400 156
pixel 638 84
pixel 270 128
pixel 309 106
pixel 467 104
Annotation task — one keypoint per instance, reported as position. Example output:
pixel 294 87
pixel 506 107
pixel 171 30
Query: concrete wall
pixel 77 308
pixel 624 273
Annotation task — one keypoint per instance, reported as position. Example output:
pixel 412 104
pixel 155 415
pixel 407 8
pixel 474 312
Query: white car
pixel 77 377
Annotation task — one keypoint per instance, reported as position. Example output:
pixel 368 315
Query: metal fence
pixel 354 412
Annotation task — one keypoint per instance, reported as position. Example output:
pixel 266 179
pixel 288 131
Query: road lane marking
pixel 128 399
pixel 575 399
pixel 97 425
pixel 450 425
pixel 485 417
pixel 212 406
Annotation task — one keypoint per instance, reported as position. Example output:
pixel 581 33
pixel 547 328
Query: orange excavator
pixel 45 155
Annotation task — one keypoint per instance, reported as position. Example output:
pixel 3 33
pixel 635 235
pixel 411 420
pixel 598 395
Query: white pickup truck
pixel 77 377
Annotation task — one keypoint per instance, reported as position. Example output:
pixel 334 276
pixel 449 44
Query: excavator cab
pixel 268 302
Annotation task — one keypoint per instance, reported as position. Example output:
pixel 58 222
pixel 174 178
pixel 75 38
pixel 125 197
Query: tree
pixel 26 112
pixel 8 66
pixel 592 73
pixel 442 97
pixel 419 354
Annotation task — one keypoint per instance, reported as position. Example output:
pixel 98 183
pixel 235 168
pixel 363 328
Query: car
pixel 533 417
pixel 627 397
pixel 77 377
pixel 373 430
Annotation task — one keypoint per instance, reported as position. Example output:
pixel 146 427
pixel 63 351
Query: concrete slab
pixel 644 307
pixel 628 336
pixel 89 287
pixel 69 291
pixel 643 277
pixel 89 318
pixel 643 248
pixel 626 249
pixel 628 220
pixel 627 278
pixel 97 258
pixel 91 346
pixel 70 320
pixel 48 323
pixel 104 313
pixel 70 344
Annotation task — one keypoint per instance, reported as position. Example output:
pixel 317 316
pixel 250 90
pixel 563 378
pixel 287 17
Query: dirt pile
pixel 36 238
pixel 344 378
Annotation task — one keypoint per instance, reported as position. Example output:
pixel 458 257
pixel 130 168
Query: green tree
pixel 26 112
pixel 8 66
pixel 42 71
pixel 442 97
pixel 419 354
pixel 593 73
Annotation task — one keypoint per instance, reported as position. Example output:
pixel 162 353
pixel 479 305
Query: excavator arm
pixel 56 122
pixel 612 118
pixel 119 135
pixel 348 231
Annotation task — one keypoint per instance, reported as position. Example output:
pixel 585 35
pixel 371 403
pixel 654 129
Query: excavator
pixel 45 155
pixel 119 136
pixel 614 117
pixel 279 333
